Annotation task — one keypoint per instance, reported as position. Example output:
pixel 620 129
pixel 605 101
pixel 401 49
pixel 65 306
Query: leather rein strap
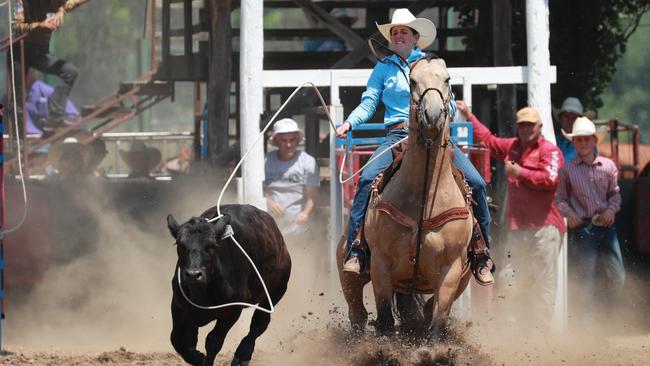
pixel 428 142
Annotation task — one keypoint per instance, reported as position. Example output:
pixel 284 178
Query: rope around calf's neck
pixel 230 234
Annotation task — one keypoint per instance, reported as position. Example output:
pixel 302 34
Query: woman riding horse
pixel 389 83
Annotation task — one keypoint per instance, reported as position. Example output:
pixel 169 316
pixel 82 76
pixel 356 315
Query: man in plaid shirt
pixel 588 196
pixel 39 19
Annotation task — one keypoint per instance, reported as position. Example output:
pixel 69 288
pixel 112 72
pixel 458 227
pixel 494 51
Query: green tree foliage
pixel 587 39
pixel 101 39
pixel 627 96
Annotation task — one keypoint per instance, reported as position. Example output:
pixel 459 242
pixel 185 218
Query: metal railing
pixel 104 104
pixel 614 129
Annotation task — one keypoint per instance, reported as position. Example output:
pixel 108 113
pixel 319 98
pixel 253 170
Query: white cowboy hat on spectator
pixel 285 125
pixel 581 127
pixel 572 105
pixel 425 28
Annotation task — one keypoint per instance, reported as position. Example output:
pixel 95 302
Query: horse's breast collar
pixel 378 203
pixel 432 223
pixel 419 283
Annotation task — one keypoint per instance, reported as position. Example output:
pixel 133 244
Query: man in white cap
pixel 588 196
pixel 292 179
pixel 570 110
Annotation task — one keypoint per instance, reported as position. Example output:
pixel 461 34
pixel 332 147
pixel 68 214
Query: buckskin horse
pixel 211 271
pixel 419 226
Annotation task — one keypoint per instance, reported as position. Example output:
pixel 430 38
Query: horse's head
pixel 430 97
pixel 198 244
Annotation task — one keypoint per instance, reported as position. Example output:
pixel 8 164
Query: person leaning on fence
pixel 570 110
pixel 389 84
pixel 292 180
pixel 40 19
pixel 588 196
pixel 533 242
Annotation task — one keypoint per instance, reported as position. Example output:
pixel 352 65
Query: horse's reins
pixel 428 142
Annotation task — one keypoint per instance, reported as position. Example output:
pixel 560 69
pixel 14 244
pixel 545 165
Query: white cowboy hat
pixel 285 125
pixel 572 105
pixel 581 127
pixel 425 28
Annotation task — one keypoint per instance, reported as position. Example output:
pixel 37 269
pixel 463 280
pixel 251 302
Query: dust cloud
pixel 117 295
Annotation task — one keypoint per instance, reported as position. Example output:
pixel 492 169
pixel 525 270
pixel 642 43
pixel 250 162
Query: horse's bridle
pixel 421 116
pixel 429 143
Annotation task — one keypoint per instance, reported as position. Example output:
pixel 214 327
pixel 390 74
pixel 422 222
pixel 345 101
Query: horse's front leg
pixel 214 340
pixel 352 285
pixel 450 277
pixel 383 289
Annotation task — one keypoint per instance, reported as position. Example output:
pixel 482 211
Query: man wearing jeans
pixel 588 196
pixel 529 274
pixel 40 19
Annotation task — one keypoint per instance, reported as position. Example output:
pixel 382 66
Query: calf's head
pixel 198 244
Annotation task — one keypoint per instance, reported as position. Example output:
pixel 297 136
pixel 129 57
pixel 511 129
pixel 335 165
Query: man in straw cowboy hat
pixel 588 196
pixel 533 242
pixel 570 110
pixel 292 179
pixel 407 37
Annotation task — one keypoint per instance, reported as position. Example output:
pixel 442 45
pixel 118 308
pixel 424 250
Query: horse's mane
pixel 430 55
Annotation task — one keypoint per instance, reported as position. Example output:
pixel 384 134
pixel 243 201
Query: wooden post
pixel 219 76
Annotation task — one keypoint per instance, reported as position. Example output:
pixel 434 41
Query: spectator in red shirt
pixel 533 242
pixel 588 195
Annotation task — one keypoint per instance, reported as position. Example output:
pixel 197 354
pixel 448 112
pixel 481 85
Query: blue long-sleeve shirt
pixel 566 146
pixel 388 85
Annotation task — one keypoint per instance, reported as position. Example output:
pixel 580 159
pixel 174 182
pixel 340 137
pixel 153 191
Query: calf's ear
pixel 221 224
pixel 172 225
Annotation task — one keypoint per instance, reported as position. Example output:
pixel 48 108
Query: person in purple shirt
pixel 37 104
pixel 588 196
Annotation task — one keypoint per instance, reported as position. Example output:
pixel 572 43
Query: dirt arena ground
pixel 110 306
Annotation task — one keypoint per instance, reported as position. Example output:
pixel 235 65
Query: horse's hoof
pixel 237 362
pixel 437 335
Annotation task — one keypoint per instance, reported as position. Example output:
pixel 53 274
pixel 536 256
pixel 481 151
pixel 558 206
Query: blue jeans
pixel 597 252
pixel 361 197
pixel 479 192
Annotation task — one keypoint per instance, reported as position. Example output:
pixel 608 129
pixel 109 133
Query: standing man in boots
pixel 589 197
pixel 532 247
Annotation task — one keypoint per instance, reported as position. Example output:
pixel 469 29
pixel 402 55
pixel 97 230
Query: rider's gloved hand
pixel 343 129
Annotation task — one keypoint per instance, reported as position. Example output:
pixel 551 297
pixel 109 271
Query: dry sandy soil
pixel 107 308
